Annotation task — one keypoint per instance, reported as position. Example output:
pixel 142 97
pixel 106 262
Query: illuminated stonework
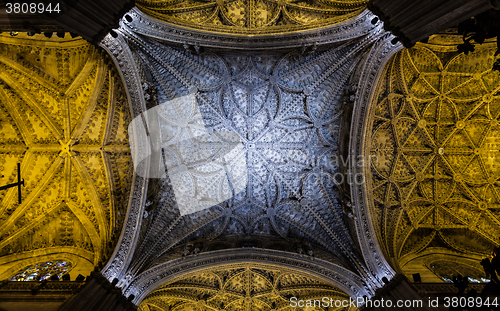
pixel 64 115
pixel 436 135
pixel 194 160
pixel 240 287
pixel 285 109
pixel 252 16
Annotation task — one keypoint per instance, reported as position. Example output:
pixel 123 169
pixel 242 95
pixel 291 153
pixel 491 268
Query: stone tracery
pixel 252 16
pixel 276 102
pixel 66 126
pixel 240 287
pixel 435 132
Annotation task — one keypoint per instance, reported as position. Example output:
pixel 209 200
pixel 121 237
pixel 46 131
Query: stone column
pixel 99 294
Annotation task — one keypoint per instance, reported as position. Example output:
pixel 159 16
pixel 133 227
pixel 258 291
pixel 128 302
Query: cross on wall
pixel 18 183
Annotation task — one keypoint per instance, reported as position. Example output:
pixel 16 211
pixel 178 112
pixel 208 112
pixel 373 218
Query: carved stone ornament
pixel 287 108
pixel 142 24
pixel 347 281
pixel 64 115
pixel 245 286
pixel 434 129
pixel 252 17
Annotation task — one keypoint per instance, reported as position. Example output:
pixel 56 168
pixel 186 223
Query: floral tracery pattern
pixel 253 16
pixel 286 110
pixel 63 114
pixel 436 135
pixel 43 271
pixel 240 287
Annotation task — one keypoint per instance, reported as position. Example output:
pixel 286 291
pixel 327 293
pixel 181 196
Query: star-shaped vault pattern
pixel 286 110
pixel 436 138
pixel 240 287
pixel 64 116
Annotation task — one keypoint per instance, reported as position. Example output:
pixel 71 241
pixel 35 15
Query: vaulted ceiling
pixel 288 189
pixel 285 109
pixel 241 287
pixel 435 132
pixel 432 129
pixel 64 115
pixel 252 17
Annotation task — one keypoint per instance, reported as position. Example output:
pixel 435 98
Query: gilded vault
pixel 240 287
pixel 308 88
pixel 64 116
pixel 252 17
pixel 435 134
pixel 290 109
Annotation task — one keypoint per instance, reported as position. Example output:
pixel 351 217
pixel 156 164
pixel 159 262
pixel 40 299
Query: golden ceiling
pixel 253 287
pixel 436 138
pixel 252 17
pixel 64 115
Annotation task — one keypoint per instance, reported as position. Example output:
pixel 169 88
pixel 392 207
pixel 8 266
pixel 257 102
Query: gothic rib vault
pixel 239 287
pixel 311 218
pixel 64 119
pixel 252 17
pixel 261 99
pixel 435 132
pixel 289 109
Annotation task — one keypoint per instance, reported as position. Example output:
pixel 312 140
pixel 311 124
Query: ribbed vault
pixel 240 287
pixel 252 17
pixel 286 109
pixel 298 83
pixel 286 106
pixel 289 138
pixel 64 114
pixel 435 133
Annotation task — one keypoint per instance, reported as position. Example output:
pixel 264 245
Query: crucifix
pixel 18 183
